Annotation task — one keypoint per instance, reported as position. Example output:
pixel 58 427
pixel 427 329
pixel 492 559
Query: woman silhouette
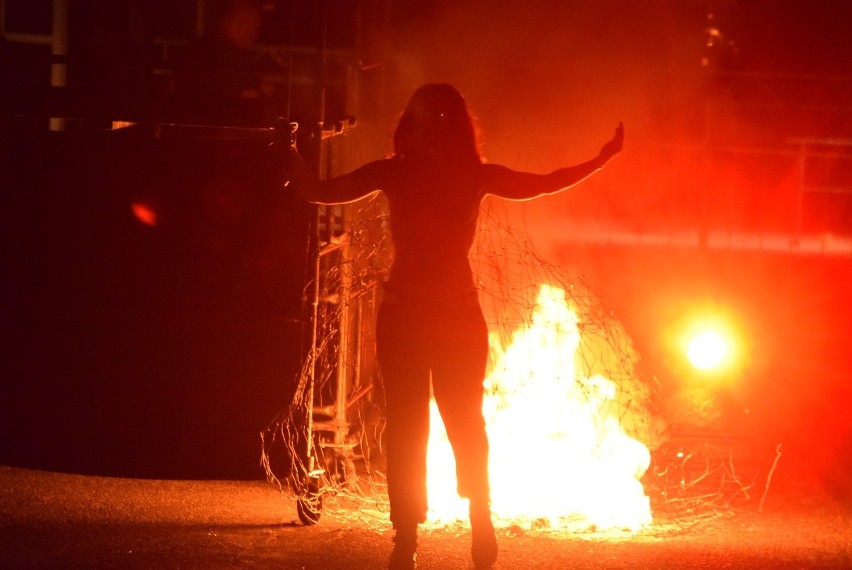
pixel 430 332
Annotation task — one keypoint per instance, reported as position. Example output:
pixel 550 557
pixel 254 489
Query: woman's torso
pixel 433 216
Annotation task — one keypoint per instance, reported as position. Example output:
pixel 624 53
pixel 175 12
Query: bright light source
pixel 145 213
pixel 709 339
pixel 708 349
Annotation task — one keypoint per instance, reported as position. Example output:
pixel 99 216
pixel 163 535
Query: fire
pixel 557 453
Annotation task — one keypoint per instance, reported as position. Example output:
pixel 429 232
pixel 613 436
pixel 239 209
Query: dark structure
pixel 154 317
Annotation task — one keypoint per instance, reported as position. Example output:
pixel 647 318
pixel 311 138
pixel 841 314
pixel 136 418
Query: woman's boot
pixel 404 555
pixel 483 540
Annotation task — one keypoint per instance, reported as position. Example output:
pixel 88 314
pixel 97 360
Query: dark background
pixel 163 350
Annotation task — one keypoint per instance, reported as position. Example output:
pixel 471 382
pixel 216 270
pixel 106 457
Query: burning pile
pixel 559 453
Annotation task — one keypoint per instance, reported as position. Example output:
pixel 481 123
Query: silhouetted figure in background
pixel 430 326
pixel 222 78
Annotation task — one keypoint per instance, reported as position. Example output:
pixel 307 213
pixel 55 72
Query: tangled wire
pixel 559 358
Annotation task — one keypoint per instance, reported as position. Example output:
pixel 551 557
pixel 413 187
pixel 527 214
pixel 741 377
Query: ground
pixel 56 520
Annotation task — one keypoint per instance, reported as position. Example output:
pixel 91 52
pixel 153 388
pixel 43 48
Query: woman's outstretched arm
pixel 343 189
pixel 514 185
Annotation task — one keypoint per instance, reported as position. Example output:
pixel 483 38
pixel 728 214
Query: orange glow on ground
pixel 559 458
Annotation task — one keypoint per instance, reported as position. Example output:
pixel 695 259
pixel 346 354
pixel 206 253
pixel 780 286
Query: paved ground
pixel 52 520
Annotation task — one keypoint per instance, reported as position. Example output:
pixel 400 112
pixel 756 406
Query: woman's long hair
pixel 437 126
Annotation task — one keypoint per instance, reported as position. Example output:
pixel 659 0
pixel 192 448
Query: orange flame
pixel 558 453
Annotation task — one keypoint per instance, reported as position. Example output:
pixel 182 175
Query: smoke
pixel 534 70
pixel 548 82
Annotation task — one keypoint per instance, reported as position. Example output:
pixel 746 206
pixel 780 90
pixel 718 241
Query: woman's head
pixel 436 126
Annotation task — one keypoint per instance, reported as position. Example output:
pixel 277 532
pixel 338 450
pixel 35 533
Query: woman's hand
pixel 612 147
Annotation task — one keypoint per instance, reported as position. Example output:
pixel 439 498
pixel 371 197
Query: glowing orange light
pixel 556 452
pixel 708 349
pixel 144 213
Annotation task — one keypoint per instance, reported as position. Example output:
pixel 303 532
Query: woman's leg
pixel 403 365
pixel 458 372
pixel 459 365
